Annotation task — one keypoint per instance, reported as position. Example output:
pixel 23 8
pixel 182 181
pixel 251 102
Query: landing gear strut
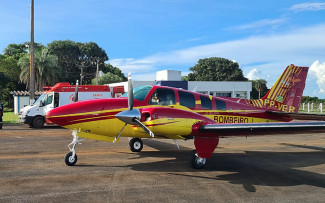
pixel 71 157
pixel 136 145
pixel 197 162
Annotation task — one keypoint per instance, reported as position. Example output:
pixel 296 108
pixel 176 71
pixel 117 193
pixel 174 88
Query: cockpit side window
pixel 162 96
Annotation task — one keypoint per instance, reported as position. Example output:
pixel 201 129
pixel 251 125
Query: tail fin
pixel 286 93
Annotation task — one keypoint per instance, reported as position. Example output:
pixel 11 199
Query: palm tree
pixel 46 69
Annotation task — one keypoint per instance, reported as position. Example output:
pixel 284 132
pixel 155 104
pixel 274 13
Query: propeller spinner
pixel 131 116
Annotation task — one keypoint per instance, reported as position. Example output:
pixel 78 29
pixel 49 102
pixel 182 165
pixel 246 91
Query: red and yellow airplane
pixel 165 112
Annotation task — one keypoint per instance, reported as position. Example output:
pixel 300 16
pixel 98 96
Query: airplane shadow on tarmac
pixel 247 169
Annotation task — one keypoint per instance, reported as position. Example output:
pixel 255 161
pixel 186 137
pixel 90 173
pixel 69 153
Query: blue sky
pixel 144 36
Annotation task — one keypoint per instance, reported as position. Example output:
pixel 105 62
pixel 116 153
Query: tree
pixel 114 70
pixel 67 52
pixel 89 55
pixel 108 78
pixel 19 50
pixel 216 69
pixel 259 88
pixel 45 69
pixel 77 58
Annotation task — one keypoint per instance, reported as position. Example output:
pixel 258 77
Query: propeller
pixel 131 116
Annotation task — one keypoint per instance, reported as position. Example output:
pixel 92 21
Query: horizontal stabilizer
pixel 299 116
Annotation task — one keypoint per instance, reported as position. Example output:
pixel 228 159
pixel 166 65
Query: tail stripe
pixel 275 85
pixel 280 84
pixel 283 84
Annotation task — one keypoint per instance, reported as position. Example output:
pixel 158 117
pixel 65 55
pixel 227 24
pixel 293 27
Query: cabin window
pixel 221 105
pixel 205 102
pixel 162 96
pixel 186 99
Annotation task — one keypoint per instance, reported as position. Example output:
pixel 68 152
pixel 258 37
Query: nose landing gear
pixel 71 157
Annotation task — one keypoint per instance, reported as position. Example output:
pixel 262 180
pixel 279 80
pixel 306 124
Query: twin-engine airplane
pixel 165 112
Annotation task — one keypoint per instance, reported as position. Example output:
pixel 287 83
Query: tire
pixel 69 160
pixel 38 122
pixel 136 145
pixel 197 162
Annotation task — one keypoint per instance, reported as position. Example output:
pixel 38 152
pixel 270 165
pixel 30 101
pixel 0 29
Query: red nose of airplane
pixel 86 111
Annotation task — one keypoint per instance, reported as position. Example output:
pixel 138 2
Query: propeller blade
pixel 130 92
pixel 117 137
pixel 143 127
pixel 76 92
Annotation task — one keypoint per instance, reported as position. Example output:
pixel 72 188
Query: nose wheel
pixel 71 158
pixel 136 145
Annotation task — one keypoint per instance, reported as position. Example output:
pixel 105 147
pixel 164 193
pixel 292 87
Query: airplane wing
pixel 299 116
pixel 242 129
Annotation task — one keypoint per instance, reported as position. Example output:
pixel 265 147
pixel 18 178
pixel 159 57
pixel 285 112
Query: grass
pixel 9 117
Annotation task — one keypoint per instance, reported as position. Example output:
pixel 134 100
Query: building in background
pixel 172 78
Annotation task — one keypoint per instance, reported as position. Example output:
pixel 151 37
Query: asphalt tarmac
pixel 282 168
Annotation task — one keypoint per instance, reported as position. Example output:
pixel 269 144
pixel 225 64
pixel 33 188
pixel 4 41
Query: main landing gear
pixel 136 144
pixel 196 161
pixel 71 157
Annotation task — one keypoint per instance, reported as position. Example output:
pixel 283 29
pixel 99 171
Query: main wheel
pixel 136 145
pixel 197 162
pixel 38 122
pixel 70 160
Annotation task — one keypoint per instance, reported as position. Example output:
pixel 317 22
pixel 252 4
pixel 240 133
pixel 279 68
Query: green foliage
pixel 74 56
pixel 114 70
pixel 259 88
pixel 60 61
pixel 46 72
pixel 184 78
pixel 216 69
pixel 308 99
pixel 9 117
pixel 108 78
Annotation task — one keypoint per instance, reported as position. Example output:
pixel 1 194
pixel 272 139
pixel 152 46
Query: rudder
pixel 286 93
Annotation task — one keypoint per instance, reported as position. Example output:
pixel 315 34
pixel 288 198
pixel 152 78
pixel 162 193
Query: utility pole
pixel 97 63
pixel 32 64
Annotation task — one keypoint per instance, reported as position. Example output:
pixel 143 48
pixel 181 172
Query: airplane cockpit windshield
pixel 139 93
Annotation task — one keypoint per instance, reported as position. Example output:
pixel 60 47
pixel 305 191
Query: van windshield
pixel 44 99
pixel 38 101
pixel 139 93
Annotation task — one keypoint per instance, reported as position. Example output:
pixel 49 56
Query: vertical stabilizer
pixel 286 93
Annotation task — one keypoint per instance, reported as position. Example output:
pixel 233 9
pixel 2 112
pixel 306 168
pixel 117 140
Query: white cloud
pixel 308 7
pixel 133 65
pixel 259 24
pixel 299 46
pixel 253 74
pixel 318 70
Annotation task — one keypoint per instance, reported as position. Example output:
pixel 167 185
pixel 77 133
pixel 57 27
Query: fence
pixel 311 107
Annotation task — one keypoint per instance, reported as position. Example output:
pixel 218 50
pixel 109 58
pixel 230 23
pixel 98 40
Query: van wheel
pixel 38 122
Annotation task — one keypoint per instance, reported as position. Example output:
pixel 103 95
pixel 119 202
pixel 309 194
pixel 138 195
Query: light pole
pixel 32 64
